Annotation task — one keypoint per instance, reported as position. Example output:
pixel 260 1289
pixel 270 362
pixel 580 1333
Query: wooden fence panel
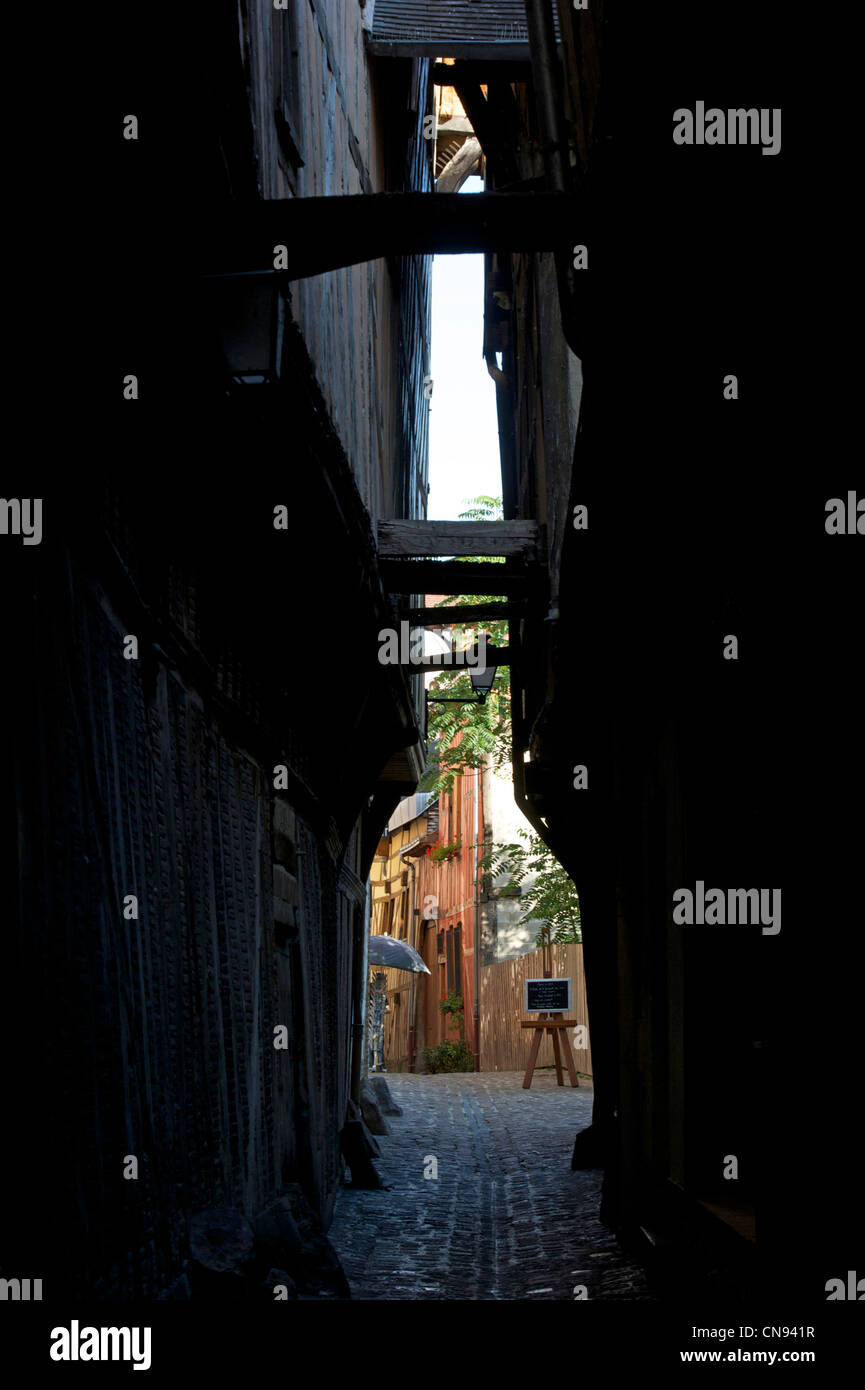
pixel 504 1044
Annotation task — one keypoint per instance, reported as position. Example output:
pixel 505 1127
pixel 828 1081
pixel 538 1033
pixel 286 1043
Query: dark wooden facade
pixel 234 774
pixel 697 528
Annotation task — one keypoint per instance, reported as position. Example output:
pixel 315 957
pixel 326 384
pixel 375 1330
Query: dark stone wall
pixel 155 1037
pixel 706 518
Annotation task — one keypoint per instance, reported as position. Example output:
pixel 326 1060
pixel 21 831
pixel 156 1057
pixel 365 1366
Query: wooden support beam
pixel 491 70
pixel 322 234
pixel 452 577
pixel 505 111
pixel 488 128
pixel 454 125
pixel 463 164
pixel 468 613
pixel 484 53
pixel 401 539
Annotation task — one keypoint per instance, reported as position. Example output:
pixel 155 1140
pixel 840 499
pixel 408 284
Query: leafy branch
pixel 550 896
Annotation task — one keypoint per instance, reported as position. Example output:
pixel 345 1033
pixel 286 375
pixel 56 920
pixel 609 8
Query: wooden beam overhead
pixel 298 237
pixel 468 613
pixel 475 51
pixel 450 28
pixel 452 577
pixel 401 539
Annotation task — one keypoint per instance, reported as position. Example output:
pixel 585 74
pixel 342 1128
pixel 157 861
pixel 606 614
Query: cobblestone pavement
pixel 504 1219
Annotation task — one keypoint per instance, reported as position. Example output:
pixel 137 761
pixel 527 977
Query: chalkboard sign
pixel 547 996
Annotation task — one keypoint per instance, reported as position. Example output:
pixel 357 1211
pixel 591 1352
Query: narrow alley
pixel 505 1218
pixel 431 591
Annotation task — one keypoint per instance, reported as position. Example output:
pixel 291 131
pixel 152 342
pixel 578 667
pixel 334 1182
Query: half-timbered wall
pixel 359 129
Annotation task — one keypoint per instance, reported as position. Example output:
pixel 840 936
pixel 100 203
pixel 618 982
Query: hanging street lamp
pixel 482 679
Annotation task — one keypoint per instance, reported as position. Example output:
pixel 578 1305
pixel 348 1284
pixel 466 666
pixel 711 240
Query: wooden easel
pixel 552 1024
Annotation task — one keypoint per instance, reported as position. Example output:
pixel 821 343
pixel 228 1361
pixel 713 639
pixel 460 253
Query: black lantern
pixel 247 310
pixel 482 677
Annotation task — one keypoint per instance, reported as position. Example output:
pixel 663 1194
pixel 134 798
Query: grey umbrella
pixel 387 950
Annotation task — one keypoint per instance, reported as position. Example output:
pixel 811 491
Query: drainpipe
pixel 545 73
pixel 412 992
pixel 477 932
pixel 359 1059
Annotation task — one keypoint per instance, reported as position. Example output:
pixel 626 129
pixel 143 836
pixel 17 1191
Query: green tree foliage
pixel 550 896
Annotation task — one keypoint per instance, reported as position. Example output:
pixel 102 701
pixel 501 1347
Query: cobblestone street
pixel 504 1219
